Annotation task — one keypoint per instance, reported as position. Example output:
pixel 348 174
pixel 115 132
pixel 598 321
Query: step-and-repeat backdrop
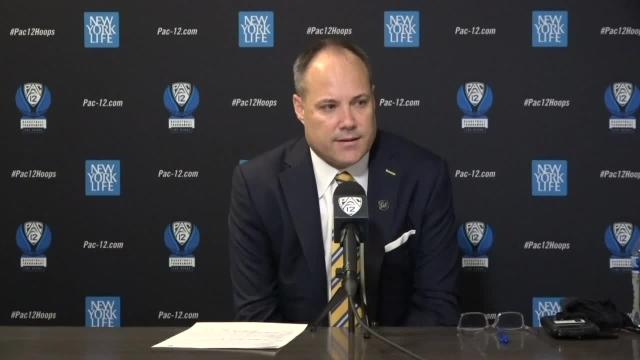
pixel 122 122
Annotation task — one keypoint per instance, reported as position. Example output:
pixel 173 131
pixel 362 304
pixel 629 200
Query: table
pixel 326 343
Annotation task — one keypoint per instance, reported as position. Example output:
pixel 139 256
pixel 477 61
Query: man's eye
pixel 328 107
pixel 362 102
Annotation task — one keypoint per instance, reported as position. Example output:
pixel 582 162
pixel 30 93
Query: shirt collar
pixel 325 173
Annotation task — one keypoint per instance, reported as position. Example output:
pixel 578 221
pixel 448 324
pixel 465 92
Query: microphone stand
pixel 350 288
pixel 350 282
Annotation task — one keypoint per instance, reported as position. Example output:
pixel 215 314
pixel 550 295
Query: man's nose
pixel 348 119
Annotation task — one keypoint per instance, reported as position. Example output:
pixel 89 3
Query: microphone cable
pixel 377 335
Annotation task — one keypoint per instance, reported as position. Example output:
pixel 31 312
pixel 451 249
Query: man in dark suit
pixel 280 220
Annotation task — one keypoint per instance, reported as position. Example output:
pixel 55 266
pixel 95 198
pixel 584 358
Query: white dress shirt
pixel 326 183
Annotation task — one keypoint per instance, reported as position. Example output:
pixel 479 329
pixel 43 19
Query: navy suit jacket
pixel 276 250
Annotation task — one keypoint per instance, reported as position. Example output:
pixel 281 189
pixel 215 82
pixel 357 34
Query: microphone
pixel 350 227
pixel 350 207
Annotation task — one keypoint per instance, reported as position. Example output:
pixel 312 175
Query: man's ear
pixel 298 108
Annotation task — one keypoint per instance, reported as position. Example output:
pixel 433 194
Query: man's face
pixel 337 107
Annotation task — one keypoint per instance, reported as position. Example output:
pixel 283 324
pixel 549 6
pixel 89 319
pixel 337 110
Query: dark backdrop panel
pixel 136 133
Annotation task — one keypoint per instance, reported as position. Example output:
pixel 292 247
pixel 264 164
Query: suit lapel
pixel 382 195
pixel 299 187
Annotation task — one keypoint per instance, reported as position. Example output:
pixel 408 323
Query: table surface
pixel 326 343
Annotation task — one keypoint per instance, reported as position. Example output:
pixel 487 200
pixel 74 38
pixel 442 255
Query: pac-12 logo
pixel 101 29
pixel 549 29
pixel 401 29
pixel 549 178
pixel 181 99
pixel 350 204
pixel 33 100
pixel 475 239
pixel 622 99
pixel 474 100
pixel 33 239
pixel 621 238
pixel 182 239
pixel 256 29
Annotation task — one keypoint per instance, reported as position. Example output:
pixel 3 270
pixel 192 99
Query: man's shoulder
pixel 404 150
pixel 271 162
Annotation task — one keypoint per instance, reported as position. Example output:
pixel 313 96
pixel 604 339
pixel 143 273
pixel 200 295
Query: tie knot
pixel 343 177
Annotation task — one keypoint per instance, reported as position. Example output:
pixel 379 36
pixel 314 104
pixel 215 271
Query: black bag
pixel 603 313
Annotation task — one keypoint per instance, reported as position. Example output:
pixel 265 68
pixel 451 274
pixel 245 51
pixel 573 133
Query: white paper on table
pixel 234 335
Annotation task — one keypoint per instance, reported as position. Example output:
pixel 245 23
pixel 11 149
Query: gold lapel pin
pixel 383 205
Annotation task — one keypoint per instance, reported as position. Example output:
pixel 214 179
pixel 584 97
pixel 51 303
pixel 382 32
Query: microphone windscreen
pixel 350 202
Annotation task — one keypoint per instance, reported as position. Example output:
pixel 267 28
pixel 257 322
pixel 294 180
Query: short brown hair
pixel 304 59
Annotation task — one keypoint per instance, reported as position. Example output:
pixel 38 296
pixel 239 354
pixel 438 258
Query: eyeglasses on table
pixel 504 321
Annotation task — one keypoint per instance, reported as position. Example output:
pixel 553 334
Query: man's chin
pixel 348 159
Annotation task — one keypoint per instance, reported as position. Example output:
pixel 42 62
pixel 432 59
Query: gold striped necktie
pixel 339 314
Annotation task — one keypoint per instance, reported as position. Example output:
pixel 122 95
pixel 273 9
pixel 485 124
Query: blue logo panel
pixel 101 30
pixel 549 178
pixel 33 238
pixel 33 99
pixel 181 99
pixel 474 98
pixel 256 29
pixel 181 238
pixel 475 238
pixel 102 178
pixel 544 306
pixel 622 239
pixel 622 99
pixel 102 312
pixel 401 29
pixel 549 29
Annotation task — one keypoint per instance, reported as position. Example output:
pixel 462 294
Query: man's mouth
pixel 348 139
